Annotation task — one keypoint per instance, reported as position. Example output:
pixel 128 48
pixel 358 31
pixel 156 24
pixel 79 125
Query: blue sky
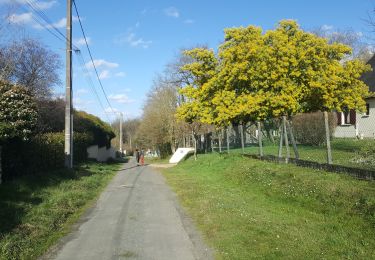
pixel 131 41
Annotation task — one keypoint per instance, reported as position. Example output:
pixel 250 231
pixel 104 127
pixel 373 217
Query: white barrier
pixel 180 154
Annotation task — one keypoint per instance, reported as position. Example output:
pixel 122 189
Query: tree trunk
pixel 293 140
pixel 281 133
pixel 260 144
pixel 328 141
pixel 242 138
pixel 228 139
pixel 286 140
pixel 1 166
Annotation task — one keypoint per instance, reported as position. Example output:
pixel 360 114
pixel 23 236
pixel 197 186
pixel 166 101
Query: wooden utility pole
pixel 68 96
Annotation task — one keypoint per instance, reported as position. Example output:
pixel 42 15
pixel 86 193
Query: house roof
pixel 369 77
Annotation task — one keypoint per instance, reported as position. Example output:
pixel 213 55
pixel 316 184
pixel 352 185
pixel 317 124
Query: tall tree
pixel 129 130
pixel 157 128
pixel 29 63
pixel 274 74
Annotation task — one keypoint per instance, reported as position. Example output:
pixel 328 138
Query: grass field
pixel 250 209
pixel 36 211
pixel 347 152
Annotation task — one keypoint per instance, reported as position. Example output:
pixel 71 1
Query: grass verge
pixel 250 209
pixel 35 211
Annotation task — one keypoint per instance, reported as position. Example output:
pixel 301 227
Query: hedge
pixel 40 154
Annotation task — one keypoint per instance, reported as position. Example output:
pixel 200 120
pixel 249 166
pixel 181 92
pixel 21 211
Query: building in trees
pixel 351 123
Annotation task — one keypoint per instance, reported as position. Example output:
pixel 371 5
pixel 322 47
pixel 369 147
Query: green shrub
pixel 101 132
pixel 41 153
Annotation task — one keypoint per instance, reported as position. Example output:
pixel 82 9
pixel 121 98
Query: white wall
pixel 101 154
pixel 345 131
pixel 365 124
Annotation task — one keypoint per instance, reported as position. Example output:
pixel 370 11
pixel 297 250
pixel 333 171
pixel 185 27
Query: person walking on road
pixel 137 156
pixel 142 157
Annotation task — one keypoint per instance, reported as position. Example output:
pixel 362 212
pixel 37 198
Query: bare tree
pixel 360 49
pixel 129 131
pixel 29 63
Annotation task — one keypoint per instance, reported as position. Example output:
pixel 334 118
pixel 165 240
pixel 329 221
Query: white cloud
pixel 326 27
pixel 172 12
pixel 101 63
pixel 120 74
pixel 189 21
pixel 144 11
pixel 44 5
pixel 80 103
pixel 82 91
pixel 121 98
pixel 59 24
pixel 104 74
pixel 133 40
pixel 39 5
pixel 81 41
pixel 24 18
pixel 110 110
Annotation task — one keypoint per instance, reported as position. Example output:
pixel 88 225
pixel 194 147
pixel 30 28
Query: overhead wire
pixel 46 23
pixel 89 80
pixel 92 60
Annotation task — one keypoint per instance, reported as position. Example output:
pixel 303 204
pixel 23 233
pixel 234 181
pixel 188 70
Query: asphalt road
pixel 136 217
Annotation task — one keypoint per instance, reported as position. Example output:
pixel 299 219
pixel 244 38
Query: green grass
pixel 152 160
pixel 344 152
pixel 35 211
pixel 250 209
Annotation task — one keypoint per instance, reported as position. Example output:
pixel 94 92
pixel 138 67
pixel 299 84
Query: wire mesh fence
pixel 303 137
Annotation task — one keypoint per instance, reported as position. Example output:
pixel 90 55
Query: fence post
pixel 281 133
pixel 286 140
pixel 220 135
pixel 328 142
pixel 260 139
pixel 242 138
pixel 195 144
pixel 293 140
pixel 228 139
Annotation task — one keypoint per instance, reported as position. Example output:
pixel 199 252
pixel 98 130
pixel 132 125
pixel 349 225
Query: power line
pixel 47 23
pixel 43 20
pixel 92 60
pixel 43 24
pixel 89 80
